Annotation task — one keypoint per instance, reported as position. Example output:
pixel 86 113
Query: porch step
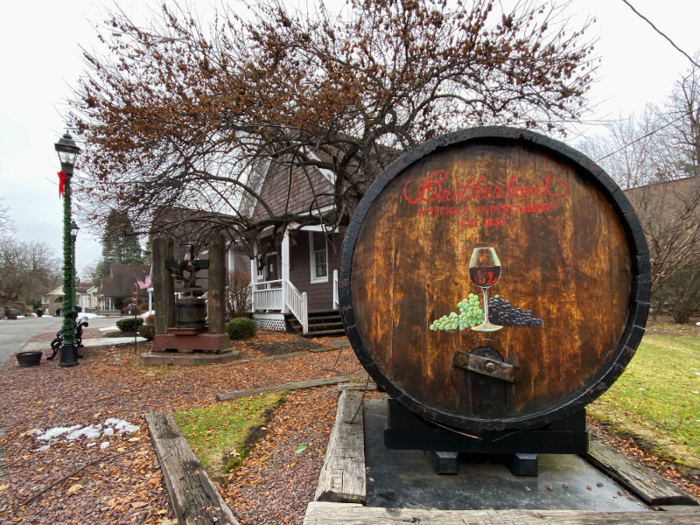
pixel 321 323
pixel 325 333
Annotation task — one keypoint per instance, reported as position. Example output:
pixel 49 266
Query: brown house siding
pixel 276 191
pixel 319 295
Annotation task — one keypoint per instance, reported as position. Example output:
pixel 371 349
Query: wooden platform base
pixel 189 343
pixel 190 359
pixel 324 513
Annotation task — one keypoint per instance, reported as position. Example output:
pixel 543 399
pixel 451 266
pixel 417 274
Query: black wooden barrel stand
pixel 518 449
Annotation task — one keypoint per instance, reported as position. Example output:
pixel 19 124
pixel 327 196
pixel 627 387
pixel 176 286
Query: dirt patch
pixel 664 325
pixel 269 343
pixel 275 484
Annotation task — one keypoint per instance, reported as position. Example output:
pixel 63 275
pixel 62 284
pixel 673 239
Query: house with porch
pixel 87 298
pixel 296 287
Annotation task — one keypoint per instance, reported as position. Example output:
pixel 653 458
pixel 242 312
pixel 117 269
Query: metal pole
pixel 69 354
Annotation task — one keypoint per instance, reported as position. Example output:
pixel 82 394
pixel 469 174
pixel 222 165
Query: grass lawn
pixel 220 434
pixel 658 398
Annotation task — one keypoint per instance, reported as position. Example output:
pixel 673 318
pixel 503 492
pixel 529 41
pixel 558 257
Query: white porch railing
pixel 296 302
pixel 267 295
pixel 336 297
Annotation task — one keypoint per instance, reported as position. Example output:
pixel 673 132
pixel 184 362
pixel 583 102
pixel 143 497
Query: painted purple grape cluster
pixel 502 313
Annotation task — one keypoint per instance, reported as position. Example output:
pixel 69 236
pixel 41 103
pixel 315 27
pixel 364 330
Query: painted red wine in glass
pixel 485 271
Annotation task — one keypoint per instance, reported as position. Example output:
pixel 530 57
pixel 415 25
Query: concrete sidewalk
pixel 102 341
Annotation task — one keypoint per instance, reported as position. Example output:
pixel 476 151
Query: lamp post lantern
pixel 67 152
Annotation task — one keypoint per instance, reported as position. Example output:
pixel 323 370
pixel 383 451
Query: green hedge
pixel 127 325
pixel 240 328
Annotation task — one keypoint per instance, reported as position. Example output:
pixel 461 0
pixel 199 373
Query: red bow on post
pixel 61 183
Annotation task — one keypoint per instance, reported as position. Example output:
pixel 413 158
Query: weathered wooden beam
pixel 195 499
pixel 312 383
pixel 358 386
pixel 342 477
pixel 647 484
pixel 163 287
pixel 216 306
pixel 325 513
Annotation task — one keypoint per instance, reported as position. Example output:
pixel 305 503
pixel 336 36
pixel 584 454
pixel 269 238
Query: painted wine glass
pixel 485 271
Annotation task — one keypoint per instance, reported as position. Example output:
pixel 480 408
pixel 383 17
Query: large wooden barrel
pixel 572 256
pixel 191 313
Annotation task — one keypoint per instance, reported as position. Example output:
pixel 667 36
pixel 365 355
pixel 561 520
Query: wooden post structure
pixel 163 287
pixel 217 283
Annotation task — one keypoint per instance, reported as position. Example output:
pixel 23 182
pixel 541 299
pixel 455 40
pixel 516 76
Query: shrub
pixel 127 325
pixel 147 331
pixel 680 294
pixel 151 320
pixel 240 328
pixel 237 294
pixel 143 307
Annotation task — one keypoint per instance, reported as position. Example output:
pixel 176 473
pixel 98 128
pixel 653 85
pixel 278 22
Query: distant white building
pixel 87 297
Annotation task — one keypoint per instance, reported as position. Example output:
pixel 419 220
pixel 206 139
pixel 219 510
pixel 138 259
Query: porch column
pixel 253 277
pixel 284 257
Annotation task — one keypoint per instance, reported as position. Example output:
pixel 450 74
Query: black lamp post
pixel 67 152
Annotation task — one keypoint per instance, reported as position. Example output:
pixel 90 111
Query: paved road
pixel 14 334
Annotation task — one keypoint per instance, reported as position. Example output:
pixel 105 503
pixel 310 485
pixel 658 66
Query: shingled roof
pixel 121 281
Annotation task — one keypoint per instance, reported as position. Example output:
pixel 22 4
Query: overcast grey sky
pixel 41 59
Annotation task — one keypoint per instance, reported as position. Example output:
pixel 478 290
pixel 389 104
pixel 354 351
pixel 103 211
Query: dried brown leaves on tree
pixel 179 113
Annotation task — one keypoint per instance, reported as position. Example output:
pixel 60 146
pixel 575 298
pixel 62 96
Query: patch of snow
pixel 91 444
pixel 55 432
pixel 42 449
pixel 146 314
pixel 109 328
pixel 104 445
pixel 121 426
pixel 20 317
pixel 108 431
pixel 90 432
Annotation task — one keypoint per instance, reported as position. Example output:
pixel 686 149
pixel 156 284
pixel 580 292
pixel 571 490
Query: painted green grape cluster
pixel 470 314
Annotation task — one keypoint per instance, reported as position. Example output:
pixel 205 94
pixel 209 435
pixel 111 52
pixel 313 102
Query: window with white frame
pixel 319 257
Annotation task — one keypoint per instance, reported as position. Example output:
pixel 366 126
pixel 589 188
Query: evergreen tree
pixel 120 245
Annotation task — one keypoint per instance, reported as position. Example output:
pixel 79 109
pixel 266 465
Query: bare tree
pixel 656 158
pixel 28 270
pixel 180 114
pixel 670 215
pixel 7 226
pixel 628 150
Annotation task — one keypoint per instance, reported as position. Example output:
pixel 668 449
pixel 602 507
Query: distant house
pixel 117 289
pixel 297 288
pixel 87 297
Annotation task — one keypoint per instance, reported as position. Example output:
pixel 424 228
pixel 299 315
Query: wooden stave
pixel 640 291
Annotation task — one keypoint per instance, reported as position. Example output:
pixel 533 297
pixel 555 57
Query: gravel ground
pixel 121 483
